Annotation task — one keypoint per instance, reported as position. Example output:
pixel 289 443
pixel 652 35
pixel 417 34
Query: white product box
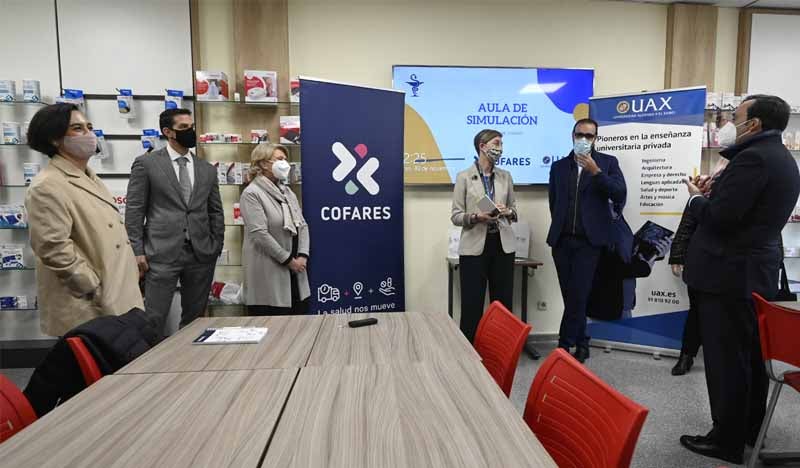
pixel 296 174
pixel 237 214
pixel 728 101
pixel 259 136
pixel 8 90
pixel 29 171
pixel 290 129
pixel 13 217
pixel 260 86
pixel 713 100
pixel 295 92
pixel 31 91
pixel 173 99
pixel 125 104
pixel 224 257
pixel 11 255
pixel 211 86
pixel 222 172
pixel 12 133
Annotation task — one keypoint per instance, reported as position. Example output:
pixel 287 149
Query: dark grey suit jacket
pixel 157 217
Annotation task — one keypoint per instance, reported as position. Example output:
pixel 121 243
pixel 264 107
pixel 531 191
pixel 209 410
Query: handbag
pixel 784 293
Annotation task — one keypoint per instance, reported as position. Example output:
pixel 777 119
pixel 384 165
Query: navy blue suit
pixel 582 226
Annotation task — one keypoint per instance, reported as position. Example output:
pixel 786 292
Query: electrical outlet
pixel 541 305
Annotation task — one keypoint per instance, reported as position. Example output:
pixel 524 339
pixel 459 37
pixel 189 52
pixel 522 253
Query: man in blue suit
pixel 583 187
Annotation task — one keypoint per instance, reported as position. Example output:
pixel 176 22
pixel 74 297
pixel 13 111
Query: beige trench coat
pixel 85 266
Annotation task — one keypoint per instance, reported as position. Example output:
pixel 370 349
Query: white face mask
pixel 727 135
pixel 81 146
pixel 280 169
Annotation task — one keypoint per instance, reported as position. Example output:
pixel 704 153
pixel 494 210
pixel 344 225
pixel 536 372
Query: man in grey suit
pixel 175 220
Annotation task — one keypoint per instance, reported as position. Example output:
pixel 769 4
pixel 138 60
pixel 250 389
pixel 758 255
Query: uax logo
pixel 640 105
pixel 348 162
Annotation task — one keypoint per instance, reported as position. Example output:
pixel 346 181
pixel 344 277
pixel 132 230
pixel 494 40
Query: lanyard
pixel 488 182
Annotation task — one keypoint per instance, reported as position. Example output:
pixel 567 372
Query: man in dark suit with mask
pixel 581 186
pixel 175 220
pixel 736 251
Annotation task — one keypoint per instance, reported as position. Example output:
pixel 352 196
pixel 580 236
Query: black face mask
pixel 186 138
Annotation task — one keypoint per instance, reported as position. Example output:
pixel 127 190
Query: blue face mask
pixel 582 146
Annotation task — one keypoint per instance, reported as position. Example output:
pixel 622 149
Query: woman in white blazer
pixel 276 242
pixel 487 243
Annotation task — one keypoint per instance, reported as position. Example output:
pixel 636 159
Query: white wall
pixel 359 41
pixel 774 66
pixel 28 44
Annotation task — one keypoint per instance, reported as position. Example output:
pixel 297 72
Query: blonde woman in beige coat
pixel 84 263
pixel 276 242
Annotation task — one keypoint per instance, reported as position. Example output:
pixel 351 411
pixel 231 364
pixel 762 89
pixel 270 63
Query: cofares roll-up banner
pixel 352 140
pixel 657 138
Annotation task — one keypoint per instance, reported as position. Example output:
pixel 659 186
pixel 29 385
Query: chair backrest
pixel 499 341
pixel 89 368
pixel 778 329
pixel 15 411
pixel 581 421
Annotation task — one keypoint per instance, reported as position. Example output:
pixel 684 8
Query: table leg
pixel 450 289
pixel 529 341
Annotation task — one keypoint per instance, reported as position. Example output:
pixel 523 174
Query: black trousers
pixel 298 307
pixel 691 329
pixel 493 266
pixel 576 262
pixel 161 280
pixel 735 373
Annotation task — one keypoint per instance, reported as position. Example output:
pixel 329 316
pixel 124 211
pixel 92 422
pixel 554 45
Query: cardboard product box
pixel 260 86
pixel 713 100
pixel 222 172
pixel 11 256
pixel 290 129
pixel 295 92
pixel 211 86
pixel 728 101
pixel 234 175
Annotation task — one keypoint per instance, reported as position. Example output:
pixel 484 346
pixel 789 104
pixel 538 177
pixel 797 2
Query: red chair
pixel 778 329
pixel 499 341
pixel 89 369
pixel 581 421
pixel 15 411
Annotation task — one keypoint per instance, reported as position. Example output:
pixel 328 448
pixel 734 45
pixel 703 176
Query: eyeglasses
pixel 588 136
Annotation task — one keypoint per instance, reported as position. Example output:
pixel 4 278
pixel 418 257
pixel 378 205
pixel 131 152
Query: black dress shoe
pixel 683 365
pixel 581 354
pixel 708 448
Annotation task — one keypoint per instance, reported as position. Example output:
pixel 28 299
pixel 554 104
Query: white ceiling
pixel 793 4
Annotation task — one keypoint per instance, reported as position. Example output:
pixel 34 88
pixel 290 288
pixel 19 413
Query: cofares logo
pixel 546 160
pixel 415 84
pixel 347 163
pixel 623 107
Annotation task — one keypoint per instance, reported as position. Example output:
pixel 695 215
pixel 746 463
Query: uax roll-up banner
pixel 352 139
pixel 657 138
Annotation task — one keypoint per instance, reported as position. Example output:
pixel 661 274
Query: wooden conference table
pixel 407 392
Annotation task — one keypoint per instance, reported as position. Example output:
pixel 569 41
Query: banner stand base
pixel 656 352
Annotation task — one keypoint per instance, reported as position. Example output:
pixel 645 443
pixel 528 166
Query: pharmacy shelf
pixel 24 103
pixel 18 269
pixel 253 104
pixel 13 228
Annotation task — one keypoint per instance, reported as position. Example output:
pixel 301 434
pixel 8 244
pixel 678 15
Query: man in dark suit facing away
pixel 735 251
pixel 581 186
pixel 175 220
